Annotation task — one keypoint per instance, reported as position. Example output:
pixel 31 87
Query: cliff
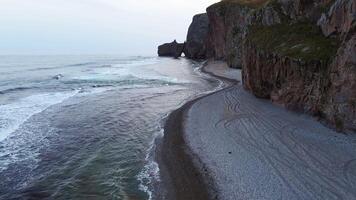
pixel 300 54
pixel 228 22
pixel 195 47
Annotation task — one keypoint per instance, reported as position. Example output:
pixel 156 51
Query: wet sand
pixel 231 145
pixel 221 70
pixel 183 175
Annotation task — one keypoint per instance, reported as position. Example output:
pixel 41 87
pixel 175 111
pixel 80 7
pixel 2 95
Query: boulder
pixel 172 49
pixel 195 47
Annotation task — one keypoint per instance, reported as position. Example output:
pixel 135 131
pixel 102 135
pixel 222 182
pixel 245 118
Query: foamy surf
pixel 108 148
pixel 13 115
pixel 150 172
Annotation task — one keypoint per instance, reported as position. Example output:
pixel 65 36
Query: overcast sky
pixel 127 27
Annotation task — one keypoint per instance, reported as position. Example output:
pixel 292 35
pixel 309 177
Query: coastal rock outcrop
pixel 299 53
pixel 195 47
pixel 229 23
pixel 292 69
pixel 172 49
pixel 305 67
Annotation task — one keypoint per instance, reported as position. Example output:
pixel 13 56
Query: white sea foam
pixel 14 114
pixel 150 172
pixel 138 69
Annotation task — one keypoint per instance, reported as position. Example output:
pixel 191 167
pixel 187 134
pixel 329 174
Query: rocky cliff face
pixel 288 69
pixel 228 23
pixel 340 105
pixel 195 47
pixel 340 22
pixel 304 67
pixel 230 20
pixel 299 53
pixel 310 10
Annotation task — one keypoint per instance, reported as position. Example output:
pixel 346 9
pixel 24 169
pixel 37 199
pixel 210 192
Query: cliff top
pixel 249 3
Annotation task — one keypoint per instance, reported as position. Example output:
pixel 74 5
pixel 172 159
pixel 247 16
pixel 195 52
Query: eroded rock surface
pixel 195 47
pixel 305 67
pixel 340 19
pixel 299 53
pixel 172 49
pixel 228 23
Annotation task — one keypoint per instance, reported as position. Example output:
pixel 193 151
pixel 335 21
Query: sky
pixel 66 27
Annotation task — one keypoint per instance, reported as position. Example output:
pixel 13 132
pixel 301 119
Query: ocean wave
pixel 81 64
pixel 124 81
pixel 13 115
pixel 105 66
pixel 15 89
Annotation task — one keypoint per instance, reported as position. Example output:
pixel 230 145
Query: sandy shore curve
pixel 231 145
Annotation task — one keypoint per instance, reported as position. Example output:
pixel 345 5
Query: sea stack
pixel 173 49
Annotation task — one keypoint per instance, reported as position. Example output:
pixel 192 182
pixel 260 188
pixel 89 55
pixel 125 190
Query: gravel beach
pixel 231 145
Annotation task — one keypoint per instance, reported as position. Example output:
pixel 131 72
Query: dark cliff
pixel 228 22
pixel 195 47
pixel 300 54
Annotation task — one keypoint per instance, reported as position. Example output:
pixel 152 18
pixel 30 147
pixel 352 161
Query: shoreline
pixel 231 145
pixel 182 173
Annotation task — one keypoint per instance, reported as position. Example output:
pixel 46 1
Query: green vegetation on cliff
pixel 302 41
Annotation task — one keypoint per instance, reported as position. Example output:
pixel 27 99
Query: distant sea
pixel 82 127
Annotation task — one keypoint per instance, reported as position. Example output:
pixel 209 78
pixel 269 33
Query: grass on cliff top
pixel 249 3
pixel 302 41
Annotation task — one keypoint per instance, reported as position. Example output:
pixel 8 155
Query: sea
pixel 83 127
